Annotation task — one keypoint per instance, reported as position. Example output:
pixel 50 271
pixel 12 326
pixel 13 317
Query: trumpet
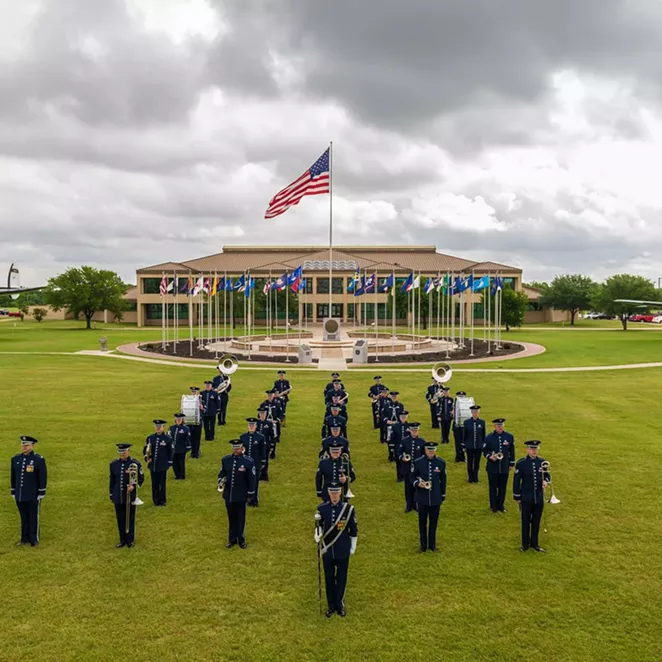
pixel 344 469
pixel 343 399
pixel 221 484
pixel 406 457
pixel 285 392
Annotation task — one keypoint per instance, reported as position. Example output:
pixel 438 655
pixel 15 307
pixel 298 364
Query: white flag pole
pixel 287 316
pixel 376 316
pixel 330 226
pixel 190 312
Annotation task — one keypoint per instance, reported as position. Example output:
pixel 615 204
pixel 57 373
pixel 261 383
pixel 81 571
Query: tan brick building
pixel 270 262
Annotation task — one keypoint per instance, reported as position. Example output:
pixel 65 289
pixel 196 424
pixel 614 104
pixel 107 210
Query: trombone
pixel 344 470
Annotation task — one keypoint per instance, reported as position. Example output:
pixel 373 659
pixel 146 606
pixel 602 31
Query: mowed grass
pixel 179 595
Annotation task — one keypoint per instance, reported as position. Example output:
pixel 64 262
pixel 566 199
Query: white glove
pixel 354 542
pixel 318 535
pixel 40 497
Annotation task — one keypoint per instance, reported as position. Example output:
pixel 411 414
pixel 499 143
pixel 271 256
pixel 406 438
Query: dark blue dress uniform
pixel 223 398
pixel 281 385
pixel 413 447
pixel 196 430
pixel 332 441
pixel 373 394
pixel 499 442
pixel 339 530
pixel 399 431
pixel 239 478
pixel 383 402
pixel 120 496
pixel 334 421
pixel 473 439
pixel 275 415
pixel 528 490
pixel 445 406
pixel 431 392
pixel 255 447
pixel 328 473
pixel 28 487
pixel 342 410
pixel 158 454
pixel 390 412
pixel 458 430
pixel 431 470
pixel 335 377
pixel 210 403
pixel 181 443
pixel 340 392
pixel 266 429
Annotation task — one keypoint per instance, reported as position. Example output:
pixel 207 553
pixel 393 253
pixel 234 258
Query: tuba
pixel 441 373
pixel 227 365
pixel 344 468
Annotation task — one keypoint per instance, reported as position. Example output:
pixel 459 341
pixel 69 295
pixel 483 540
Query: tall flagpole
pixel 419 312
pixel 447 304
pixel 471 301
pixel 269 320
pixel 392 293
pixel 488 296
pixel 225 310
pixel 201 316
pixel 175 312
pixel 190 313
pixel 163 339
pixel 438 307
pixel 330 226
pixel 287 315
pixel 376 317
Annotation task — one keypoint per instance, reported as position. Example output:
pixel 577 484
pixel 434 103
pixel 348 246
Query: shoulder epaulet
pixel 520 460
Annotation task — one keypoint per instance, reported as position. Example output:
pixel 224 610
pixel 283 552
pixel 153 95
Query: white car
pixel 657 319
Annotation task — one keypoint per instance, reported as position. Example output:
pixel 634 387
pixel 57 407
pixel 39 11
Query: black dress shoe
pixel 120 544
pixel 432 549
pixel 34 544
pixel 408 510
pixel 131 544
pixel 329 613
pixel 502 510
pixel 230 544
pixel 341 612
pixel 243 545
pixel 21 542
pixel 523 549
pixel 422 550
pixel 539 549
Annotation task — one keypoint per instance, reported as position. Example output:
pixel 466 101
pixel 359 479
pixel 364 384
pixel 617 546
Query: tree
pixel 513 306
pixel 86 291
pixel 39 314
pixel 571 292
pixel 623 286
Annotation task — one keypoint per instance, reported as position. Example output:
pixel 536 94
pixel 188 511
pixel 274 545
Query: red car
pixel 641 318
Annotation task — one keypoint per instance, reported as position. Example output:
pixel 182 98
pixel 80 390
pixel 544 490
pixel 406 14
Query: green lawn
pixel 179 595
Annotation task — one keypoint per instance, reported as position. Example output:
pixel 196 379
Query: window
pixel 509 282
pixel 323 286
pixel 151 286
pixel 154 311
pixel 131 305
pixel 350 311
pixel 479 312
pixel 308 289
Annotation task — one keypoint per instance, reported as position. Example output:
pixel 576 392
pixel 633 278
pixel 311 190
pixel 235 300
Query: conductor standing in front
pixel 336 534
pixel 429 480
pixel 28 488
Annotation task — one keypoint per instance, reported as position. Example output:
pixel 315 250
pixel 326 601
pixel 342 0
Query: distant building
pixel 536 313
pixel 270 262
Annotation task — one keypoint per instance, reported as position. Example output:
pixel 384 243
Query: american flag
pixel 163 288
pixel 313 182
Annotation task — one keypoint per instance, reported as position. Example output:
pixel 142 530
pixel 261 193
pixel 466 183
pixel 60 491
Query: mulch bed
pixel 183 351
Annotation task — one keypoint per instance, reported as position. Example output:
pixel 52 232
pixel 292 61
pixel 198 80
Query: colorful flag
pixel 267 286
pixel 466 284
pixel 429 285
pixel 408 285
pixel 417 282
pixel 186 287
pixel 199 285
pixel 369 284
pixel 229 286
pixel 352 283
pixel 497 285
pixel 386 285
pixel 214 286
pixel 240 283
pixel 442 285
pixel 250 284
pixel 313 182
pixel 163 288
pixel 481 283
pixel 280 283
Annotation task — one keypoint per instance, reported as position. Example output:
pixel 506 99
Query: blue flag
pixel 481 283
pixel 408 284
pixel 386 285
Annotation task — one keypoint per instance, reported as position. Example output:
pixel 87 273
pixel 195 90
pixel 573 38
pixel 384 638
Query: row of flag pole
pixel 363 283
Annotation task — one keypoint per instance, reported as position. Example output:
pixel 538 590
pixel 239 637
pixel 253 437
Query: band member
pixel 429 480
pixel 335 402
pixel 333 419
pixel 384 402
pixel 223 392
pixel 237 479
pixel 339 390
pixel 336 534
pixel 458 429
pixel 529 483
pixel 28 487
pixel 374 395
pixel 329 387
pixel 499 451
pixel 445 414
pixel 335 438
pixel 410 450
pixel 181 444
pixel 334 470
pixel 266 429
pixel 282 387
pixel 432 395
pixel 196 430
pixel 158 458
pixel 209 400
pixel 255 447
pixel 399 431
pixel 390 413
pixel 474 440
pixel 275 416
pixel 123 491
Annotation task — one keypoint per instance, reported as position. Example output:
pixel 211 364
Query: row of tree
pixel 575 293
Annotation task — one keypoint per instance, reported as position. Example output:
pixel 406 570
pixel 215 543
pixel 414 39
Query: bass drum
pixel 191 409
pixel 462 411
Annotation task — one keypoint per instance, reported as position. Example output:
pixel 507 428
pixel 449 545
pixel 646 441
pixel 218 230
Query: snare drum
pixel 191 409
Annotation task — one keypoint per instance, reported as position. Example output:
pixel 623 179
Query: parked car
pixel 641 317
pixel 15 314
pixel 4 311
pixel 657 319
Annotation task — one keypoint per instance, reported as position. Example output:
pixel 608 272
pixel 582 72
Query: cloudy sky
pixel 139 131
